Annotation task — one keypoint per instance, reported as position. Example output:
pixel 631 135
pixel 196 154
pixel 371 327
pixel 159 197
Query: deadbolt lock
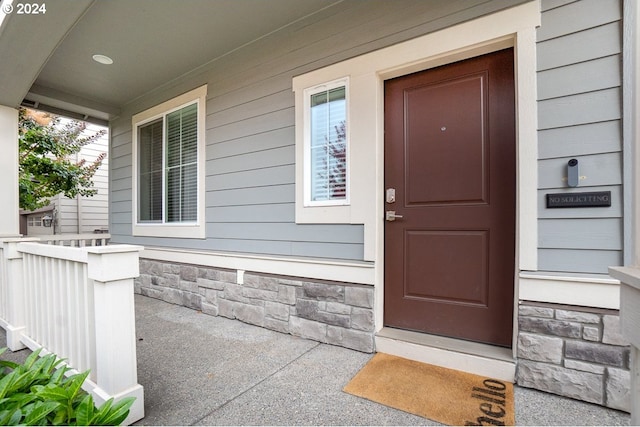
pixel 391 195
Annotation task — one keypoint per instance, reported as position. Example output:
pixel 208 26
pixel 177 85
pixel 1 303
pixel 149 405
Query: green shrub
pixel 39 393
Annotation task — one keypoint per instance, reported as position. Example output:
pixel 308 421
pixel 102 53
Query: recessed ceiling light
pixel 103 59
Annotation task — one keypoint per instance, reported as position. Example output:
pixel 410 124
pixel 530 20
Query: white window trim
pixel 192 230
pixel 308 92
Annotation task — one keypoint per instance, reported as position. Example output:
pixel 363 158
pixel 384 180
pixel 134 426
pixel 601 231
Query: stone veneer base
pixel 576 352
pixel 329 312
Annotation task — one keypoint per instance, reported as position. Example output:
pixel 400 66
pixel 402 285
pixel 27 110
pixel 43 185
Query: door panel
pixel 438 154
pixel 433 252
pixel 450 156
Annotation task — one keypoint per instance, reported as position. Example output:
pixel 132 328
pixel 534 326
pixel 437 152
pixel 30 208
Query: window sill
pixel 186 231
pixel 327 214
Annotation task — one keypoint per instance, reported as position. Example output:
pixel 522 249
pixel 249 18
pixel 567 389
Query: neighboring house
pixel 423 227
pixel 82 214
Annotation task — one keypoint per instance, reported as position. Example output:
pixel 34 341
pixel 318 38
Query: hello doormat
pixel 444 395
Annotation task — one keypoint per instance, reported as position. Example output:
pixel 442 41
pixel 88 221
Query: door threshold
pixel 475 358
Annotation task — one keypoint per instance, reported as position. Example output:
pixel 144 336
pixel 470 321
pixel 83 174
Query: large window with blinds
pixel 326 147
pixel 168 160
pixel 167 149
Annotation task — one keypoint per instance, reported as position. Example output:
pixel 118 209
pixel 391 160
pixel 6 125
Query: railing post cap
pixel 111 263
pixel 113 249
pixel 4 237
pixel 10 245
pixel 18 239
pixel 628 276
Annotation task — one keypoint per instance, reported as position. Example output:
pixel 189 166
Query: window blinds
pixel 181 171
pixel 328 148
pixel 168 152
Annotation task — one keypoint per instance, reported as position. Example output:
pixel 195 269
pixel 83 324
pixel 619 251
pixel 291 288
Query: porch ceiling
pixel 47 59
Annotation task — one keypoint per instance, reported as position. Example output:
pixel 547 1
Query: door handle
pixel 391 216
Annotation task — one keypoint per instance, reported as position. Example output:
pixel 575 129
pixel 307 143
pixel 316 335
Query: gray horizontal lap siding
pixel 250 134
pixel 579 116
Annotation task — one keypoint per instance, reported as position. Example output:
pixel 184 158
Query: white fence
pixel 76 302
pixel 76 240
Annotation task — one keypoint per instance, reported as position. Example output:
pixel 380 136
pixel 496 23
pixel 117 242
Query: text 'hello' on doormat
pixel 440 394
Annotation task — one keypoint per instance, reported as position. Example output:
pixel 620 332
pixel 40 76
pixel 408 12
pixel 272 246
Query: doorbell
pixel 573 175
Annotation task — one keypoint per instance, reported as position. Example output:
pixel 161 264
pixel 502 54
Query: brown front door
pixel 450 156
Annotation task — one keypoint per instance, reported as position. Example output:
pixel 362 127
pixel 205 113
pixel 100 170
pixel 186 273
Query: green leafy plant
pixel 46 154
pixel 39 393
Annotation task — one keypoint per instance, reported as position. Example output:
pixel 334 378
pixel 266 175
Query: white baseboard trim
pixel 340 271
pixel 570 290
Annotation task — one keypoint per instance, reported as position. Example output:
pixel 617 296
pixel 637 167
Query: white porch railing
pixel 76 240
pixel 76 302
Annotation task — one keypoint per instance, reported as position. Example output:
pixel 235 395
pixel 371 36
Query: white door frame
pixel 513 27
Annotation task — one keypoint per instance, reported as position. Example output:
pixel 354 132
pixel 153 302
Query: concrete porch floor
pixel 202 370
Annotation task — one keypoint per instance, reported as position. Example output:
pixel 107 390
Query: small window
pixel 326 145
pixel 168 148
pixel 34 221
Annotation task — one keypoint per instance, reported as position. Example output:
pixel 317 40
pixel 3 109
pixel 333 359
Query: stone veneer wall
pixel 575 352
pixel 330 312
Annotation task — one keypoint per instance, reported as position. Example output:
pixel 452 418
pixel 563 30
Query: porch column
pixel 112 269
pixel 9 216
pixel 629 275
